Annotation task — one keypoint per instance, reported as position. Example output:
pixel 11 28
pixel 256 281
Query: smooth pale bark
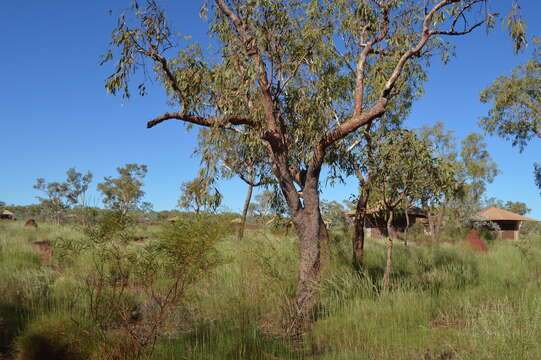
pixel 245 211
pixel 389 264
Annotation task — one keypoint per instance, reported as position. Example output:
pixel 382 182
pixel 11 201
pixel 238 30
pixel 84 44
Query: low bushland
pixel 190 290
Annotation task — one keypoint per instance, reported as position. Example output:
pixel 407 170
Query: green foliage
pixel 479 306
pixel 334 215
pixel 516 102
pixel 124 192
pixel 55 337
pixel 478 166
pixel 517 207
pixel 472 163
pixel 132 289
pixel 406 171
pixel 199 195
pixel 64 195
pixel 537 175
pixel 268 203
pixel 282 74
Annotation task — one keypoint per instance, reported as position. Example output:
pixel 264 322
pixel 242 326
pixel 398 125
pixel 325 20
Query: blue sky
pixel 55 113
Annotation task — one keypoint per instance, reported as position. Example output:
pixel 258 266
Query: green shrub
pixel 12 321
pixel 54 337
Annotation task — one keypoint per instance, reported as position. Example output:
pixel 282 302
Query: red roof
pixel 495 214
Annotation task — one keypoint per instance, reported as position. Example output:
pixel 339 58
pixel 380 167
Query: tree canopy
pixel 297 78
pixel 516 102
pixel 124 193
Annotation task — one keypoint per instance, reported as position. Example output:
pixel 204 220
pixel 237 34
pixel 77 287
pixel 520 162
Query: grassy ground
pixel 446 302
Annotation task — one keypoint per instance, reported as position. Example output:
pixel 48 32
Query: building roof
pixel 496 214
pixel 7 212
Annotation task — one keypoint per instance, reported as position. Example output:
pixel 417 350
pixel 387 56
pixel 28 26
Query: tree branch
pixel 368 48
pixel 457 33
pixel 199 120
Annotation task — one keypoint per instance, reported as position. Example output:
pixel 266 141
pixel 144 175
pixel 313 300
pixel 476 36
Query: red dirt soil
pixel 474 241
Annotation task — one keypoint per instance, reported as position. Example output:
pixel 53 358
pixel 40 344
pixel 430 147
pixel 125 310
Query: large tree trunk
pixel 389 265
pixel 308 225
pixel 358 236
pixel 245 211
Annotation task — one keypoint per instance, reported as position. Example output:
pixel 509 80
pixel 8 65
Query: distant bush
pixel 54 337
pixel 417 232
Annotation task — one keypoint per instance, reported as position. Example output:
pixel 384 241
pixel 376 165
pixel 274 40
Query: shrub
pixel 54 337
pixel 12 320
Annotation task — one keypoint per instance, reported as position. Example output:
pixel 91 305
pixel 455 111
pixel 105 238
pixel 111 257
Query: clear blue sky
pixel 55 113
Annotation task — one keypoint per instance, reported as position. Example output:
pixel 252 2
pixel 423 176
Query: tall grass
pixel 446 302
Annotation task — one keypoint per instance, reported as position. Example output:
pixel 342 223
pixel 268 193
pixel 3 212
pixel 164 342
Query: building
pixel 6 215
pixel 376 220
pixel 507 221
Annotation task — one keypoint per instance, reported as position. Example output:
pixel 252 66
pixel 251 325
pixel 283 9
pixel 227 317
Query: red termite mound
pixel 474 241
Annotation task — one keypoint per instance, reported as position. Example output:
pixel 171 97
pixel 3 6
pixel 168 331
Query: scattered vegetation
pixel 234 299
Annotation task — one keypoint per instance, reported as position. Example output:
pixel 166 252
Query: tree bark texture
pixel 359 235
pixel 245 211
pixel 310 228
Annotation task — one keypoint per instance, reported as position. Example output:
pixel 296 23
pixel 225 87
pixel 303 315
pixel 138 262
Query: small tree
pixel 124 192
pixel 472 166
pixel 236 155
pixel 199 195
pixel 132 292
pixel 405 171
pixel 63 195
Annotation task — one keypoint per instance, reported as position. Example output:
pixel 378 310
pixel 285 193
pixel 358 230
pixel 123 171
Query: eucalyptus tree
pixel 516 102
pixel 233 154
pixel 61 196
pixel 124 193
pixel 404 171
pixel 358 158
pixel 301 76
pixel 199 195
pixel 516 105
pixel 472 168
